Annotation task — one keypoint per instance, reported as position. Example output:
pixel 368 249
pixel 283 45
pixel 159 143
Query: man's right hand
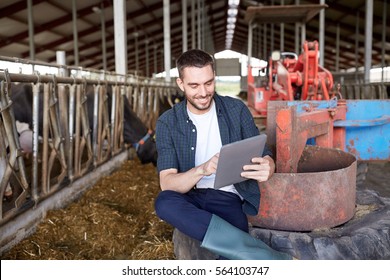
pixel 209 167
pixel 170 179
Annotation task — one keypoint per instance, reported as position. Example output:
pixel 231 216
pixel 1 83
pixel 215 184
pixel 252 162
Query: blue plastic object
pixel 368 129
pixel 367 126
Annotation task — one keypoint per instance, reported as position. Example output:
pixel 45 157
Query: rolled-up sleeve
pixel 167 156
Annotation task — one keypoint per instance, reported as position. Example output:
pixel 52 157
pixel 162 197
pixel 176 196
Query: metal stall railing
pixel 353 86
pixel 366 91
pixel 66 147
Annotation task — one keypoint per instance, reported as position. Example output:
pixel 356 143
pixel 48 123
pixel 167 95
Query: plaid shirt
pixel 176 141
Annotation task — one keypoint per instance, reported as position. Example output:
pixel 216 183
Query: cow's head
pixel 146 148
pixel 134 130
pixel 137 134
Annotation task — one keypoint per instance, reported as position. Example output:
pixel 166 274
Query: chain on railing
pixel 65 145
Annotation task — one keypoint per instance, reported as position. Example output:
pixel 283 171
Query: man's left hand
pixel 261 169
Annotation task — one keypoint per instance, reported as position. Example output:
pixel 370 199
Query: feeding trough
pixel 322 194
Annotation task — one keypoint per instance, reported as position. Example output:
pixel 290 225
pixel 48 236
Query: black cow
pixel 168 102
pixel 134 131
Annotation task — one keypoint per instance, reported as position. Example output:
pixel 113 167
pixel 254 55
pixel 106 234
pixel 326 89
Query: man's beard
pixel 191 101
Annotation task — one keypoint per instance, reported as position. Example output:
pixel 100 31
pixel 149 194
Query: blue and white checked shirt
pixel 176 141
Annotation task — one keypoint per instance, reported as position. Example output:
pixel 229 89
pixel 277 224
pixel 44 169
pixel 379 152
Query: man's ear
pixel 179 82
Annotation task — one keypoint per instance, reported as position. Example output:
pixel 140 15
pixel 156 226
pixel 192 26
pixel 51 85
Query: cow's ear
pixel 180 83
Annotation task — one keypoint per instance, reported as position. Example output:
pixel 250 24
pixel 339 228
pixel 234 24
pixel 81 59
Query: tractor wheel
pixel 365 236
pixel 361 172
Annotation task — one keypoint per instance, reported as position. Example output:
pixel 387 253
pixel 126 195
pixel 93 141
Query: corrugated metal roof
pixel 53 30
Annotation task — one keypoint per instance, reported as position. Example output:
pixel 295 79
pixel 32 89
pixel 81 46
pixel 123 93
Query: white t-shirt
pixel 208 143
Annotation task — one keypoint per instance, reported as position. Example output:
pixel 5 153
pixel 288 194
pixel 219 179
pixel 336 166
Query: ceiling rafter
pixel 146 17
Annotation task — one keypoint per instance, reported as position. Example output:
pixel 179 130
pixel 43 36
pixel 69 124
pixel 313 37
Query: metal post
pixel 297 32
pixel 75 33
pixel 184 25
pixel 193 43
pixel 265 42
pixel 100 12
pixel 120 36
pixel 272 37
pixel 303 32
pixel 255 40
pixel 35 128
pixel 338 48
pixel 259 49
pixel 136 52
pixel 147 57
pixel 282 32
pixel 155 58
pixel 198 21
pixel 384 24
pixel 203 11
pixel 356 45
pixel 368 41
pixel 61 60
pixel 322 34
pixel 31 30
pixel 250 38
pixel 167 40
pixel 104 48
pixel 272 32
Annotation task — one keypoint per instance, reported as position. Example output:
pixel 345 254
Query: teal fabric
pixel 230 242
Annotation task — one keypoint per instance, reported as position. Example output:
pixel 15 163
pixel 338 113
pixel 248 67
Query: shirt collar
pixel 181 109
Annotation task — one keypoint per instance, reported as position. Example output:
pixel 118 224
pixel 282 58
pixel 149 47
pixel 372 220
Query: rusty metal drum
pixel 321 195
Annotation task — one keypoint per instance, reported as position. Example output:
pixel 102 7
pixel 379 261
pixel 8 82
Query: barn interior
pixel 131 46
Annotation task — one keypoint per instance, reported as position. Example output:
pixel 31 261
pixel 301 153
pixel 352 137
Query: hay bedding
pixel 115 219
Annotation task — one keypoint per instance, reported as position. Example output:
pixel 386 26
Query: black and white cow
pixel 134 130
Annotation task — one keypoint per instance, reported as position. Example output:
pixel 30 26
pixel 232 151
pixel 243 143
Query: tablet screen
pixel 234 156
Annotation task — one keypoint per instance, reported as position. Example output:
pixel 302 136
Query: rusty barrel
pixel 321 195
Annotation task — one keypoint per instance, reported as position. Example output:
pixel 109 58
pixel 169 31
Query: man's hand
pixel 170 179
pixel 209 167
pixel 261 170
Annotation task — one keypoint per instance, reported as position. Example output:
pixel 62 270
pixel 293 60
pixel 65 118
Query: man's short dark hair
pixel 194 58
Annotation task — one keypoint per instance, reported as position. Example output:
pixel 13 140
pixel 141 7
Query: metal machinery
pixel 317 137
pixel 290 77
pixel 317 146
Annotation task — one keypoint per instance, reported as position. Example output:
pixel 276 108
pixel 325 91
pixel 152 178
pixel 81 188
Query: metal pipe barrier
pixel 66 149
pixel 365 91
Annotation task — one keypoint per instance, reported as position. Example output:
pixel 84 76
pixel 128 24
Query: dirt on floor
pixel 113 220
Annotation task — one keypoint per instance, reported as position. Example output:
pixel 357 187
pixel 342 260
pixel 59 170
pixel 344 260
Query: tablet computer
pixel 234 156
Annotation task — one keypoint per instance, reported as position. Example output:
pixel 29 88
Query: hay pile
pixel 115 219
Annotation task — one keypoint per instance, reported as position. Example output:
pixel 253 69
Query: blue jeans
pixel 191 212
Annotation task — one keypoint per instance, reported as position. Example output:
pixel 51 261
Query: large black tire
pixel 361 172
pixel 365 236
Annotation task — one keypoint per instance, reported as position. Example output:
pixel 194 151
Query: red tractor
pixel 289 77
